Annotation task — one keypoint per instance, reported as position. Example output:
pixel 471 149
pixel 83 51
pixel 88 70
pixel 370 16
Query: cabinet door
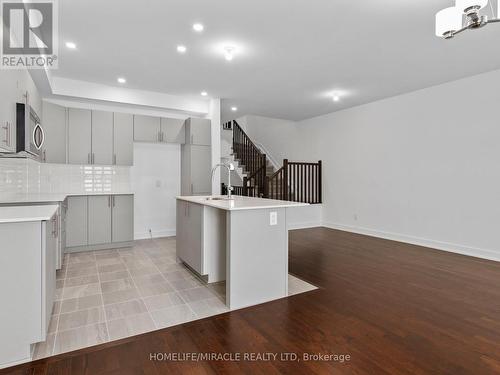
pixel 99 220
pixel 201 181
pixel 123 139
pixel 102 138
pixel 194 250
pixel 200 132
pixel 49 249
pixel 79 136
pixel 122 218
pixel 9 94
pixel 146 128
pixel 76 222
pixel 173 130
pixel 54 125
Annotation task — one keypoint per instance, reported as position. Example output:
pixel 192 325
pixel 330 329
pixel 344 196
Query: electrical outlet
pixel 273 218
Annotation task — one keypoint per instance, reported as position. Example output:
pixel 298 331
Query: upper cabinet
pixel 173 130
pixel 159 130
pixel 198 132
pixel 123 139
pixel 54 124
pixel 102 138
pixel 79 136
pixel 12 82
pixel 99 137
pixel 146 128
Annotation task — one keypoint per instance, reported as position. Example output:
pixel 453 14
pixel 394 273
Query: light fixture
pixel 204 93
pixel 181 48
pixel 336 98
pixel 121 80
pixel 70 45
pixel 198 27
pixel 229 53
pixel 234 109
pixel 451 21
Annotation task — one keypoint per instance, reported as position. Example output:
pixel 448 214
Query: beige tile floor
pixel 111 294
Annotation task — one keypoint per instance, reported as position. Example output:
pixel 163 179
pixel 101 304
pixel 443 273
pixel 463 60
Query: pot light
pixel 234 109
pixel 70 45
pixel 204 93
pixel 198 27
pixel 181 49
pixel 121 80
pixel 229 53
pixel 336 98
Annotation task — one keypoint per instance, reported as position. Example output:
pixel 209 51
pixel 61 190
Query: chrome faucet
pixel 230 167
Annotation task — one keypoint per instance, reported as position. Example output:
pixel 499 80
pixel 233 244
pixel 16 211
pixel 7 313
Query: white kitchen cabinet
pixel 190 219
pixel 27 281
pixel 173 130
pixel 122 218
pixel 54 126
pixel 146 128
pixel 196 168
pixel 123 139
pixel 99 219
pixel 201 239
pixel 76 221
pixel 102 138
pixel 9 96
pixel 198 131
pixel 79 136
pixel 97 222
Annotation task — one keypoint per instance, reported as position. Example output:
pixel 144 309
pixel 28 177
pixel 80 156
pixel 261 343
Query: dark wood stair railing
pixel 294 181
pixel 251 158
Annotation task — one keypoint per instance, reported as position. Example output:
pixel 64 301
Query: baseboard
pixel 105 246
pixel 156 234
pixel 304 225
pixel 438 245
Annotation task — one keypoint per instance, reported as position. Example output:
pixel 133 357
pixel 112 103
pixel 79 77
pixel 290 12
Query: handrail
pixel 251 157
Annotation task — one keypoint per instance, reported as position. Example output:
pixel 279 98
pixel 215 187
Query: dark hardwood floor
pixel 393 308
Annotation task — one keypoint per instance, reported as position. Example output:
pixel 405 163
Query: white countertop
pixel 241 203
pixel 16 214
pixel 50 197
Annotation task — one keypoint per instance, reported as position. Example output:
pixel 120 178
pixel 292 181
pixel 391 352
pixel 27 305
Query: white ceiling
pixel 293 53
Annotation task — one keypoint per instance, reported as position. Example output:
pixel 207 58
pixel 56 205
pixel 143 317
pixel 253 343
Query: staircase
pixel 294 181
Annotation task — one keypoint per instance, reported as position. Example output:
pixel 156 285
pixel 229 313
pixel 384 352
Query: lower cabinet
pixel 99 221
pixel 200 239
pixel 27 286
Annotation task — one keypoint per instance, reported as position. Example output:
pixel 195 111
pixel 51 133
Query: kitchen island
pixel 243 240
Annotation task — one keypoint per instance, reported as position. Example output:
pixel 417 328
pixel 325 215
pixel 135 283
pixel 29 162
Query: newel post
pixel 285 179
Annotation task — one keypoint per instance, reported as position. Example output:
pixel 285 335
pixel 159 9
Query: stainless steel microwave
pixel 29 132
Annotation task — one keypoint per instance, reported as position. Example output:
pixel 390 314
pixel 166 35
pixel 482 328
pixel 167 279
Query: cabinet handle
pixel 93 158
pixel 6 127
pixel 88 158
pixel 192 189
pixel 8 133
pixel 109 200
pixel 113 200
pixel 114 159
pixel 44 156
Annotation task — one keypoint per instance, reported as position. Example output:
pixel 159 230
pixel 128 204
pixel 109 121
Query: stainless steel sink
pixel 219 199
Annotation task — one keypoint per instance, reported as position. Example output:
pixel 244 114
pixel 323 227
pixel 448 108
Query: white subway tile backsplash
pixel 26 176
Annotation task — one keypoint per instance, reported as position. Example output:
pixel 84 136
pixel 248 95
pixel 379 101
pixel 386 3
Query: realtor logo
pixel 29 34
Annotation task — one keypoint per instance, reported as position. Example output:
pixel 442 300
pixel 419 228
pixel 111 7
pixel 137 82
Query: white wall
pixel 155 179
pixel 421 167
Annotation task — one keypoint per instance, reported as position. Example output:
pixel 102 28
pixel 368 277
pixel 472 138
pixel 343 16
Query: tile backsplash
pixel 26 176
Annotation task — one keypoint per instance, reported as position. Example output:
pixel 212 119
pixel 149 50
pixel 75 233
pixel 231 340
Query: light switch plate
pixel 273 218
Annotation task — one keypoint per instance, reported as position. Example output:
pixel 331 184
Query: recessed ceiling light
pixel 71 45
pixel 336 98
pixel 204 93
pixel 234 109
pixel 229 53
pixel 181 49
pixel 121 80
pixel 198 27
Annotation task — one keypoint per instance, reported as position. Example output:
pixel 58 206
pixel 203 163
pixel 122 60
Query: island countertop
pixel 240 202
